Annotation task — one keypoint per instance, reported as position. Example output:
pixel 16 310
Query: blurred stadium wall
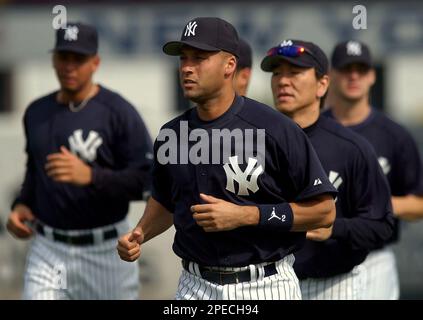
pixel 131 36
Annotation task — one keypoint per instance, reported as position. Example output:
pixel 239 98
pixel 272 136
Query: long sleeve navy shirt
pixel 364 219
pixel 110 136
pixel 397 153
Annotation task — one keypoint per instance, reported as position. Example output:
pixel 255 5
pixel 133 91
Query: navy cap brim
pixel 74 50
pixel 271 62
pixel 173 48
pixel 350 60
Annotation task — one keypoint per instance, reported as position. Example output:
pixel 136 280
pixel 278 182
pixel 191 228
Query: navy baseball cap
pixel 208 34
pixel 77 37
pixel 245 55
pixel 299 53
pixel 349 52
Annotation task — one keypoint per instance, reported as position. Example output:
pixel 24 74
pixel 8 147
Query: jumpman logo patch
pixel 273 215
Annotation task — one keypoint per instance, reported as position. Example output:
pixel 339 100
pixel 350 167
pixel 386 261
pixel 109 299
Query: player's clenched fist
pixel 129 245
pixel 16 222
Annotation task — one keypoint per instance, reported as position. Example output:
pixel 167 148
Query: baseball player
pixel 243 68
pixel 328 265
pixel 353 75
pixel 241 191
pixel 88 155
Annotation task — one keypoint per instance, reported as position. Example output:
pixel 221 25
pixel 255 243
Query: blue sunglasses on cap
pixel 288 51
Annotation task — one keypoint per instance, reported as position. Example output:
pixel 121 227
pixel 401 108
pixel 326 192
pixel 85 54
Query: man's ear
pixel 96 62
pixel 322 85
pixel 230 66
pixel 372 75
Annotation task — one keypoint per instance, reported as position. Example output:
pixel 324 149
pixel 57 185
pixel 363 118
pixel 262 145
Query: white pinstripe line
pixel 285 297
pixel 227 288
pixel 331 296
pixel 191 289
pixel 186 282
pixel 293 277
pixel 202 290
pixel 209 295
pixel 312 291
pixel 215 293
pixel 249 291
pixel 196 288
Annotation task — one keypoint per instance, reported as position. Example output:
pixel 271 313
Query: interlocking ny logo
pixel 71 33
pixel 87 149
pixel 190 29
pixel 236 174
pixel 286 43
pixel 353 48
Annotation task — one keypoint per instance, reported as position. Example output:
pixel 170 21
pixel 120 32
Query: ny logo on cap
pixel 71 33
pixel 286 43
pixel 190 29
pixel 354 48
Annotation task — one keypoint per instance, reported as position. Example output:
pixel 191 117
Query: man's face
pixel 202 73
pixel 73 70
pixel 352 82
pixel 295 88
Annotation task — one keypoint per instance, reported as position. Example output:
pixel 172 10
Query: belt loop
pixel 48 232
pixel 260 272
pixel 291 259
pixel 191 268
pixel 253 272
pixel 197 269
pixel 122 227
pixel 98 236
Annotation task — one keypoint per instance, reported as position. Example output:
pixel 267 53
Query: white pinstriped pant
pixel 346 286
pixel 281 286
pixel 58 271
pixel 382 281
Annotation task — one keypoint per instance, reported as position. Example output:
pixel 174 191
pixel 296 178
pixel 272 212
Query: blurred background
pixel 131 36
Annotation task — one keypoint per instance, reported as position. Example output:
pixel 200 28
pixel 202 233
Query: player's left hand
pixel 66 167
pixel 320 234
pixel 220 215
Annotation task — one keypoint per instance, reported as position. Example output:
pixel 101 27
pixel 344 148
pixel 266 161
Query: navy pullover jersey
pixel 109 135
pixel 250 155
pixel 397 153
pixel 364 219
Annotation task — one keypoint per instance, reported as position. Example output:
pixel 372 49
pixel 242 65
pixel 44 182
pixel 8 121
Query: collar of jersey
pixel 366 121
pixel 196 122
pixel 311 128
